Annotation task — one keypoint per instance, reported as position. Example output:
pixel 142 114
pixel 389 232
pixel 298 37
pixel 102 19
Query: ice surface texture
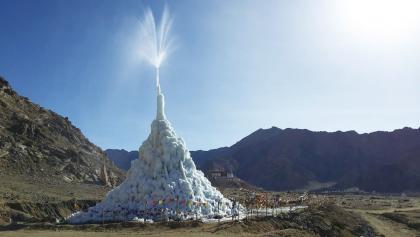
pixel 162 183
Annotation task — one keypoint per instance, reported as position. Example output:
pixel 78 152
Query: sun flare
pixel 380 19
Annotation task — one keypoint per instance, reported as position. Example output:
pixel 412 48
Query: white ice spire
pixel 160 113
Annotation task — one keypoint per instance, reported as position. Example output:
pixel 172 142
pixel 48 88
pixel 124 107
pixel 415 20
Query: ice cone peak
pixel 164 179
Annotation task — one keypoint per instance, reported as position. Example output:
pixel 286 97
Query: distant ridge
pixel 122 158
pixel 289 159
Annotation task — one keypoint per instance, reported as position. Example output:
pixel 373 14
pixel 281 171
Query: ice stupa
pixel 162 183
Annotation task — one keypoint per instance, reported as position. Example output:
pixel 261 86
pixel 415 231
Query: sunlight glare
pixel 381 19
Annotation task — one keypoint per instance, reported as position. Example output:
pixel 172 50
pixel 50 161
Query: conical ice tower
pixel 162 183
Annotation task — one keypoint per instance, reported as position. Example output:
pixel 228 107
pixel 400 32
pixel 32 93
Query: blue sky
pixel 238 66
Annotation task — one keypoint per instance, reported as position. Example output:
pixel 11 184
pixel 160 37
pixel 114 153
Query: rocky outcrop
pixel 104 177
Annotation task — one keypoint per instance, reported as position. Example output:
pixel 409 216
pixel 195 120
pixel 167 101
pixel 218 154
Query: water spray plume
pixel 155 40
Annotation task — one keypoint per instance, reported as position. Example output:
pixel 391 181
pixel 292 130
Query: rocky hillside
pixel 37 142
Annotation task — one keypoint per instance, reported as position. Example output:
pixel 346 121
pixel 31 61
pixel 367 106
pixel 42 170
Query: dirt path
pixel 381 211
pixel 386 227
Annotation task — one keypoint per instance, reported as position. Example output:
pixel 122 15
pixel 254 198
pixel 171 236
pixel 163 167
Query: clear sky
pixel 238 66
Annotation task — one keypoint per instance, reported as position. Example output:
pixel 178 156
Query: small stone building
pixel 221 174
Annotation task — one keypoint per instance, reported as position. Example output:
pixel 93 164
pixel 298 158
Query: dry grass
pixel 390 216
pixel 42 189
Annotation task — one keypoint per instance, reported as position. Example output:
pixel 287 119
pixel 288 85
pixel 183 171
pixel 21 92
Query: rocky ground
pixel 28 199
pixel 35 208
pixel 328 220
